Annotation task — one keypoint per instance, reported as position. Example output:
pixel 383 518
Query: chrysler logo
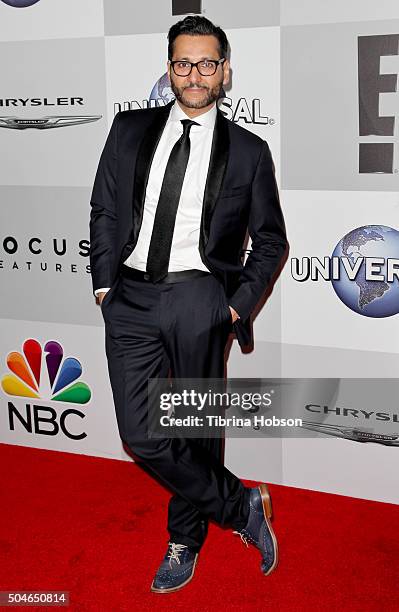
pixel 45 123
pixel 352 433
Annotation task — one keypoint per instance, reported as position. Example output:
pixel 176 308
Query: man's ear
pixel 226 72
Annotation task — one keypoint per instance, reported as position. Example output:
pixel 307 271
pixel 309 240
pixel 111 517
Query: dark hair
pixel 196 25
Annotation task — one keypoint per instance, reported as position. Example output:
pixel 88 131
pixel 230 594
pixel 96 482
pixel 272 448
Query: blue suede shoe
pixel 258 530
pixel 176 569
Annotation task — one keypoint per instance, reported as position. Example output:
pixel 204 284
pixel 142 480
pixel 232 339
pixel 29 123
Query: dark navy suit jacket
pixel 240 194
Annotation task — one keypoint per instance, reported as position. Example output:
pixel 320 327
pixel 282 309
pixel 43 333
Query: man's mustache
pixel 193 86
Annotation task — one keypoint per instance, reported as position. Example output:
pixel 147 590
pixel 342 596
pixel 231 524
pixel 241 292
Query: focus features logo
pixel 36 254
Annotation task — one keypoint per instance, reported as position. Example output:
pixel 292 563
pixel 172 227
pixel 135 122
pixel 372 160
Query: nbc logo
pixel 26 368
pixel 61 384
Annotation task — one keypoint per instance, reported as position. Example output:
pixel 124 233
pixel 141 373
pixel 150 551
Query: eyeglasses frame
pixel 218 63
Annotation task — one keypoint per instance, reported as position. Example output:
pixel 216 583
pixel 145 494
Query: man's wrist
pixel 102 290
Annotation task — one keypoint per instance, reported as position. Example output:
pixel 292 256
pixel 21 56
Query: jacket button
pixel 146 277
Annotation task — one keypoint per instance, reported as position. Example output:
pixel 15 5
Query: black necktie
pixel 165 216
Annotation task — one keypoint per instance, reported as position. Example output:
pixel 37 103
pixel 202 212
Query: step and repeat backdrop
pixel 319 82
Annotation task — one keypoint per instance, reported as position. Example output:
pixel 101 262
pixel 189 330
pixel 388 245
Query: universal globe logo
pixel 243 109
pixel 20 3
pixel 371 256
pixel 162 91
pixel 363 270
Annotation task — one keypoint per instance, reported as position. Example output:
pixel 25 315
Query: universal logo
pixel 20 3
pixel 374 156
pixel 248 111
pixel 363 270
pixel 61 384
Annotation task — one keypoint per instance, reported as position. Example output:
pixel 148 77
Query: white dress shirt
pixel 184 254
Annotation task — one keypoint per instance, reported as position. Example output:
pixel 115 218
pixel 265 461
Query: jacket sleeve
pixel 266 228
pixel 103 213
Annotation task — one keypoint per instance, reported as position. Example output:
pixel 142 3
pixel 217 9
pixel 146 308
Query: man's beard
pixel 212 94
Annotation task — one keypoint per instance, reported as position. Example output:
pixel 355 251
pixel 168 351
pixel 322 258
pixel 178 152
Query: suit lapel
pixel 216 171
pixel 143 164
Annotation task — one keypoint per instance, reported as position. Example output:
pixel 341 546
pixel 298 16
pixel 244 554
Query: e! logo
pixel 183 7
pixel 375 156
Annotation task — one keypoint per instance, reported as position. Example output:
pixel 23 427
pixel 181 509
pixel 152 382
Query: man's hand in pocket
pixel 100 297
pixel 234 314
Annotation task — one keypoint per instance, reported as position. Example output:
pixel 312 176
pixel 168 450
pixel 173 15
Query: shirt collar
pixel 206 119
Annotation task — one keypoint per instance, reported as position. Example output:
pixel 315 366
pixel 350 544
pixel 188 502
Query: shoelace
pixel 243 538
pixel 175 550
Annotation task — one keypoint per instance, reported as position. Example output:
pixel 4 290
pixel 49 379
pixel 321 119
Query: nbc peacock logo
pixel 26 379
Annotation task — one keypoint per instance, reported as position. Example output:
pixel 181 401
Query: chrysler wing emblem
pixel 46 123
pixel 352 433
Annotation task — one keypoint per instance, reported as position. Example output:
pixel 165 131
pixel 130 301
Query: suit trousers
pixel 181 328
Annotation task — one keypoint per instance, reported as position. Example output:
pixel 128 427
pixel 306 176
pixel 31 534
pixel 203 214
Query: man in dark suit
pixel 176 189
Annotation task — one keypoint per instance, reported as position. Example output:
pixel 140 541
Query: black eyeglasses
pixel 204 67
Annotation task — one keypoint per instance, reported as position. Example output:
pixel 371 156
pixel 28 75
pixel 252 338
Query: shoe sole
pixel 171 590
pixel 267 512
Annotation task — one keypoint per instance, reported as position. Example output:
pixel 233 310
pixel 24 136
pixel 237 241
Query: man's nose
pixel 195 76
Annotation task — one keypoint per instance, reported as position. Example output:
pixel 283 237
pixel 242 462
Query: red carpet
pixel 96 527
